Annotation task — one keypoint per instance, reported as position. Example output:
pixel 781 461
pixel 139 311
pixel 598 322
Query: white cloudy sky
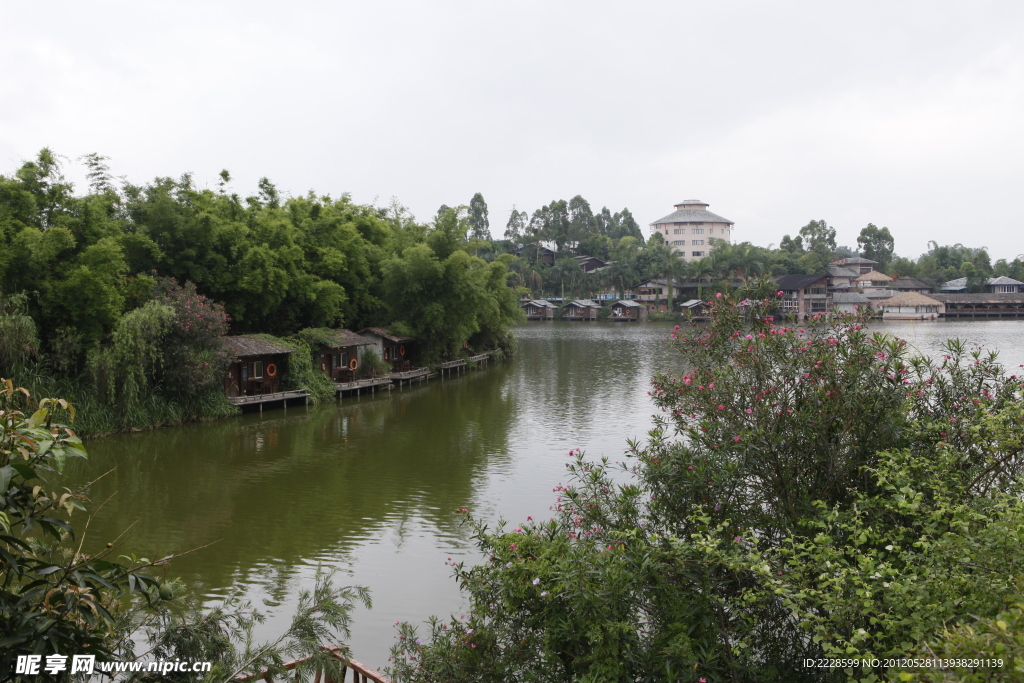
pixel 905 114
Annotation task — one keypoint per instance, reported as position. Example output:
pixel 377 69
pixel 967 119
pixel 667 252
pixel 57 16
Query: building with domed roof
pixel 689 229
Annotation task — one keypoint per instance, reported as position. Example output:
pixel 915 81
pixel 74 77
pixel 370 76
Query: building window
pixel 678 243
pixel 680 231
pixel 818 290
pixel 698 231
pixel 697 243
pixel 257 370
pixel 696 253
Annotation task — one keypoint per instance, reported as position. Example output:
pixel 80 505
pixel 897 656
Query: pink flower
pixel 718 296
pixel 721 407
pixel 736 439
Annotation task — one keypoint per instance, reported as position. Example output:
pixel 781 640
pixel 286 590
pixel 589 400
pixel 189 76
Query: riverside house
pixel 627 310
pixel 912 306
pixel 255 367
pixel 581 309
pixel 390 347
pixel 339 357
pixel 803 295
pixel 539 309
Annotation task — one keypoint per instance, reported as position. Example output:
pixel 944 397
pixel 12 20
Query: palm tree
pixel 700 270
pixel 674 266
pixel 748 260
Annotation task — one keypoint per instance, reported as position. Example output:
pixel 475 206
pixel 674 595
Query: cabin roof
pixel 248 345
pixel 850 298
pixel 874 276
pixel 539 302
pixel 583 303
pixel 911 299
pixel 626 302
pixel 840 271
pixel 909 283
pixel 384 334
pixel 1003 280
pixel 343 338
pixel 692 303
pixel 791 282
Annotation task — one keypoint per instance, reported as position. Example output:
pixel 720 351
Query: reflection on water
pixel 370 486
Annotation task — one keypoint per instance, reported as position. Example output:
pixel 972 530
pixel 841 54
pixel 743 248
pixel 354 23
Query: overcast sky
pixel 904 114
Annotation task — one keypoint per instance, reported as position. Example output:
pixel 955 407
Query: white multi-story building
pixel 690 227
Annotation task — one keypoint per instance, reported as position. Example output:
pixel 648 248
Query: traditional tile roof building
pixel 861 265
pixel 688 229
pixel 995 285
pixel 803 295
pixel 910 284
pixel 850 302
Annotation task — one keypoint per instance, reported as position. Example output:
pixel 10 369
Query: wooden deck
pixel 360 672
pixel 410 376
pixel 261 399
pixel 361 384
pixel 448 367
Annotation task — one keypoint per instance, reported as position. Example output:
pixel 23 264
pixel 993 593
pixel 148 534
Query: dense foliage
pixel 119 299
pixel 810 491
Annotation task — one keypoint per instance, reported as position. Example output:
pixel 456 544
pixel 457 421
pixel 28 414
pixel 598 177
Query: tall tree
pixel 581 220
pixel 876 244
pixel 516 226
pixel 479 225
pixel 820 238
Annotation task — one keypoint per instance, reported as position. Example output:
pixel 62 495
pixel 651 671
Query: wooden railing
pixel 360 672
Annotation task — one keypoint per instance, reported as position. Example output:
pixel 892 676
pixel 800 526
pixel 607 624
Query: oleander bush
pixel 810 490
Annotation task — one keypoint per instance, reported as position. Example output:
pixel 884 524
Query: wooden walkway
pixel 360 672
pixel 357 386
pixel 449 366
pixel 260 399
pixel 410 376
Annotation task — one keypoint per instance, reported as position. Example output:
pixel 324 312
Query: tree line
pixel 126 273
pixel 631 260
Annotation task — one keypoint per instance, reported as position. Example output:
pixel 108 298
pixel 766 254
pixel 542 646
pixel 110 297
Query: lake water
pixel 370 486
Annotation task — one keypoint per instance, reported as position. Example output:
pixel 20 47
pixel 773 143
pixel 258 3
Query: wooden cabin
pixel 581 309
pixel 339 359
pixel 256 366
pixel 539 309
pixel 627 310
pixel 588 264
pixel 394 348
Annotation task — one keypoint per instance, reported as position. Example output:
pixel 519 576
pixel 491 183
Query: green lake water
pixel 370 486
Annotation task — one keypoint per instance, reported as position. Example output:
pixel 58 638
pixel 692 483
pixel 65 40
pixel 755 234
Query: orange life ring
pixel 353 364
pixel 401 350
pixel 271 370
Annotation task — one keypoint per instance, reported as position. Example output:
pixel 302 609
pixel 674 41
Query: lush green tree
pixel 479 225
pixel 516 226
pixel 876 244
pixel 820 238
pixel 792 245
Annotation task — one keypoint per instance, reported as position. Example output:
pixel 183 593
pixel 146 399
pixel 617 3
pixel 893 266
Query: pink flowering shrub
pixel 193 347
pixel 807 492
